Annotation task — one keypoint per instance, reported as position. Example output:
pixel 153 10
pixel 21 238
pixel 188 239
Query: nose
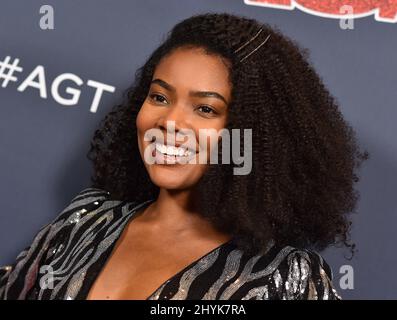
pixel 173 119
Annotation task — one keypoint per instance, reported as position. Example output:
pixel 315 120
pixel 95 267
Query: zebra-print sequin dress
pixel 67 255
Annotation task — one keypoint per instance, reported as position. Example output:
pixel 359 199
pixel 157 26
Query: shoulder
pixel 87 208
pixel 86 197
pixel 308 276
pixel 291 273
pixel 13 278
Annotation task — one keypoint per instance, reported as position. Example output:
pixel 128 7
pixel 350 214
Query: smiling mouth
pixel 167 154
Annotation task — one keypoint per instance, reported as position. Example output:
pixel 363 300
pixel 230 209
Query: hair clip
pixel 249 41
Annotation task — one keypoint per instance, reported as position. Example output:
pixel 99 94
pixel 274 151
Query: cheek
pixel 213 135
pixel 144 120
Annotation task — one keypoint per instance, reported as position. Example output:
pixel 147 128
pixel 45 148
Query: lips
pixel 173 147
pixel 166 154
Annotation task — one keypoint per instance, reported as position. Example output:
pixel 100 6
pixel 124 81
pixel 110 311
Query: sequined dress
pixel 65 257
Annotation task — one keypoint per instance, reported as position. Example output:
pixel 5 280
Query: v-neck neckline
pixel 189 266
pixel 132 215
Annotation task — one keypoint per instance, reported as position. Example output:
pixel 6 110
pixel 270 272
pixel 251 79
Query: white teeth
pixel 170 150
pixel 174 151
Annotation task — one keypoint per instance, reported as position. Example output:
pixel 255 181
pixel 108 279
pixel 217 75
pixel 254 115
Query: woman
pixel 157 224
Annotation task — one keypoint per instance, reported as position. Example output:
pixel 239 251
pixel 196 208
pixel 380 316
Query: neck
pixel 175 212
pixel 172 208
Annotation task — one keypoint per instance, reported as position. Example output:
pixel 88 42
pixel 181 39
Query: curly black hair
pixel 300 191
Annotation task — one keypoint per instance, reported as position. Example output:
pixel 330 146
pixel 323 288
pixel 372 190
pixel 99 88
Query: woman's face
pixel 190 90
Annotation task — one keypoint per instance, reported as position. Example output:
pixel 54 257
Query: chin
pixel 167 179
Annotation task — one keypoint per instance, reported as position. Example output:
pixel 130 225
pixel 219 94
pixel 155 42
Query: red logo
pixel 384 10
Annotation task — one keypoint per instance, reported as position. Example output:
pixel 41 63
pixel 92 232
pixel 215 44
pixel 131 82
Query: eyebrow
pixel 204 94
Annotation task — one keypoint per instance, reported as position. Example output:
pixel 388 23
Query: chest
pixel 136 268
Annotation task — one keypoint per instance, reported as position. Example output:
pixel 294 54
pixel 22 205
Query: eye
pixel 206 109
pixel 153 97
